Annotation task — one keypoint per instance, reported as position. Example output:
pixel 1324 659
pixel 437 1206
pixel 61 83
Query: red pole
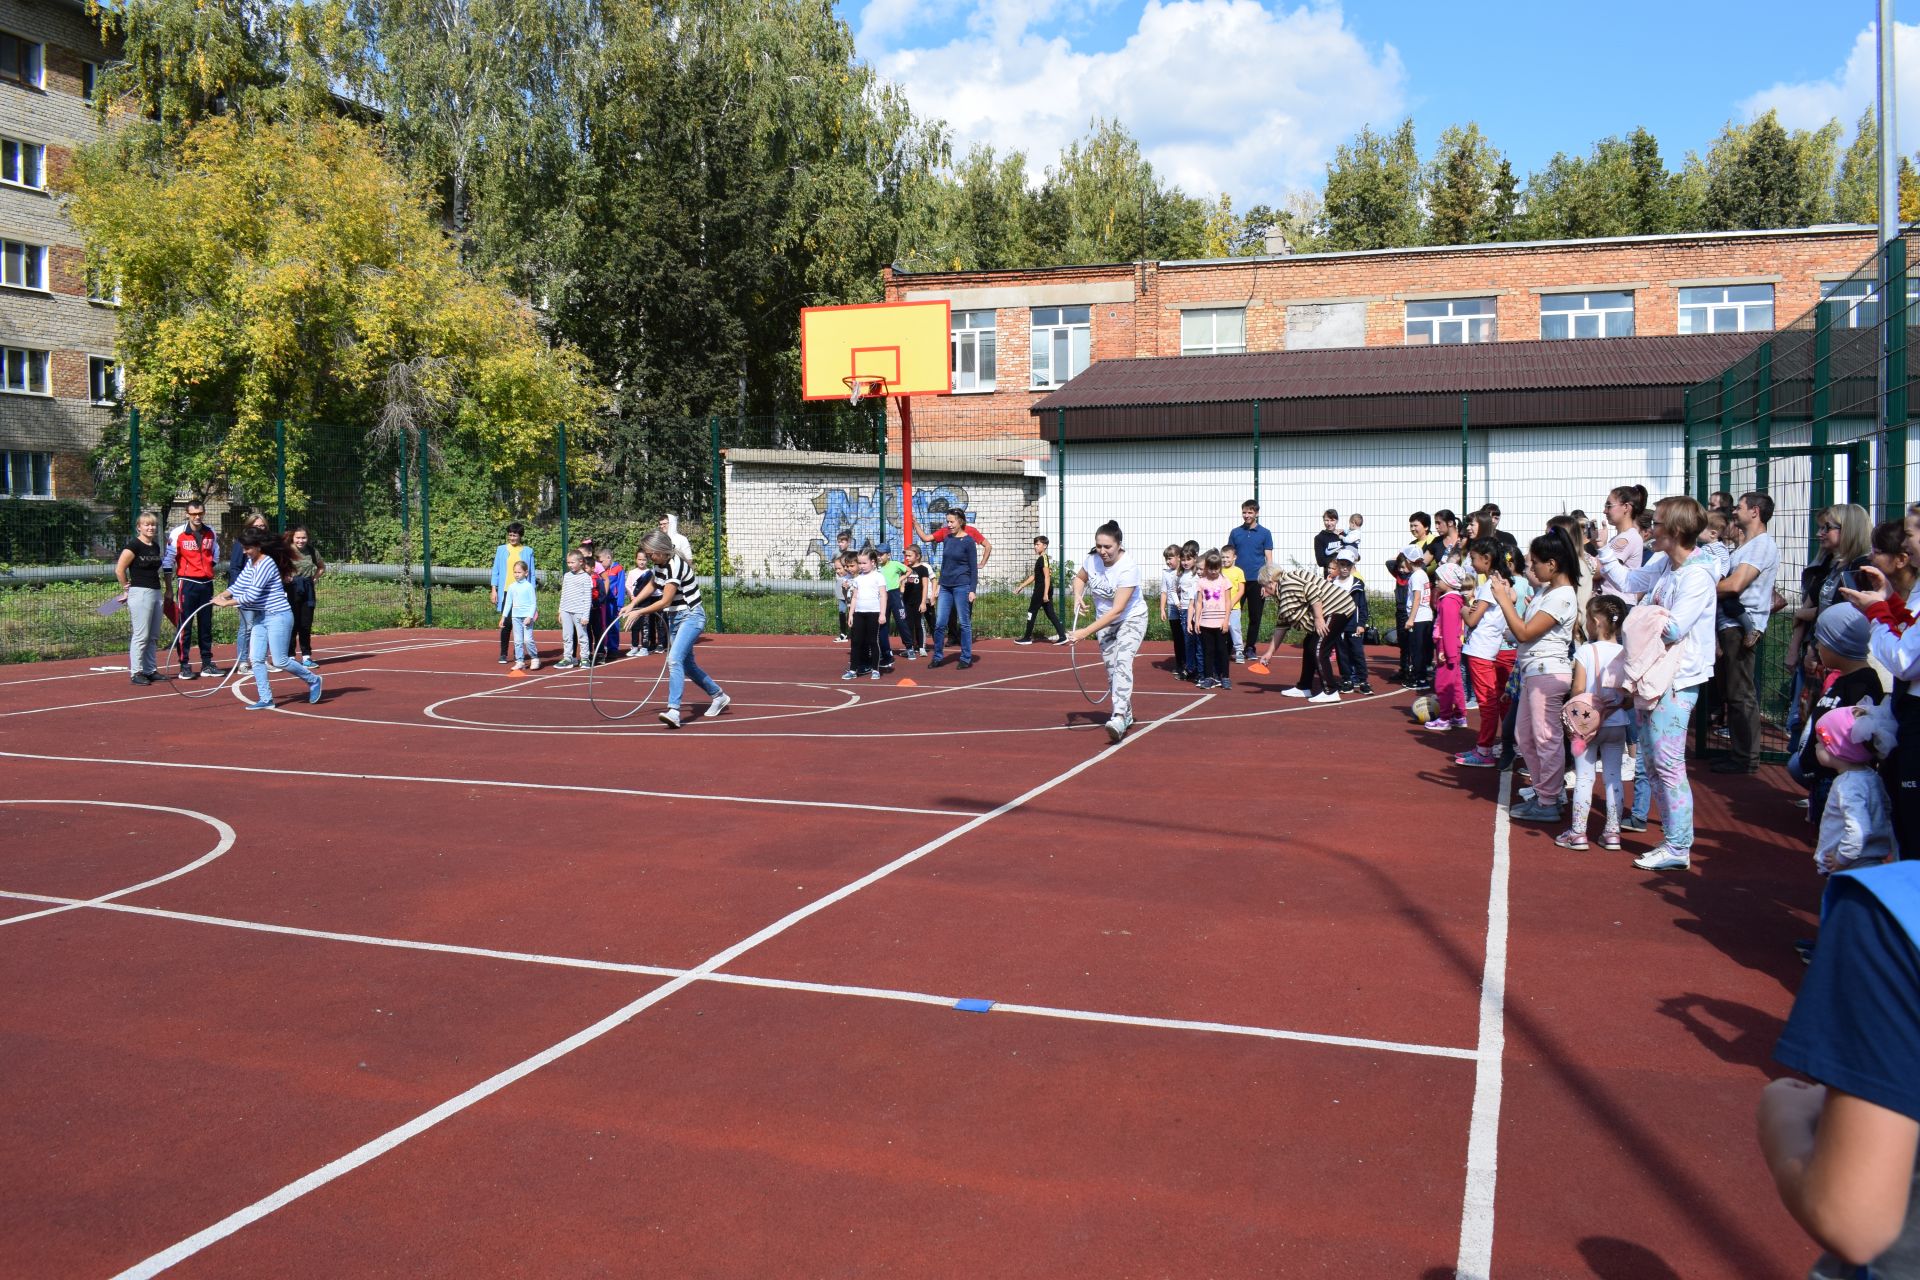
pixel 906 471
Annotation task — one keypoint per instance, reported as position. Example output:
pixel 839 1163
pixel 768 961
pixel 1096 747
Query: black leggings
pixel 1256 605
pixel 914 632
pixel 1316 663
pixel 866 643
pixel 300 596
pixel 506 635
pixel 1214 657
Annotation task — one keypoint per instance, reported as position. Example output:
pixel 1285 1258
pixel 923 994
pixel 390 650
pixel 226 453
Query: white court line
pixel 774 984
pixel 77 675
pixel 99 702
pixel 485 1089
pixel 225 843
pixel 1483 1136
pixel 491 782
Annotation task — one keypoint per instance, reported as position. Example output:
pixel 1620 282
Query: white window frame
pixel 113 386
pixel 1863 300
pixel 20 148
pixel 1054 330
pixel 1702 308
pixel 30 361
pixel 1586 308
pixel 37 463
pixel 33 62
pixel 110 298
pixel 1214 346
pixel 33 264
pixel 1439 327
pixel 973 340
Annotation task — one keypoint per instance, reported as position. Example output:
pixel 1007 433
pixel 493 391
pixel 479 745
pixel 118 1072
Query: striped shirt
pixel 686 594
pixel 259 588
pixel 576 592
pixel 1298 589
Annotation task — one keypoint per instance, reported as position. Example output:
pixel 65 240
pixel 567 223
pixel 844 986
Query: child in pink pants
pixel 1449 632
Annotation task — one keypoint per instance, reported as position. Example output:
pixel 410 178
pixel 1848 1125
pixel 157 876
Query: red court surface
pixel 448 976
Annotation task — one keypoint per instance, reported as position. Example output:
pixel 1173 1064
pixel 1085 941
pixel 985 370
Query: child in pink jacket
pixel 1449 633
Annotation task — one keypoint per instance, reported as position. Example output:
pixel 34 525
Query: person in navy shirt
pixel 960 562
pixel 1252 547
pixel 1842 1150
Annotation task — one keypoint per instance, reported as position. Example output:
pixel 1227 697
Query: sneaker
pixel 1662 858
pixel 1804 802
pixel 1610 840
pixel 670 717
pixel 840 639
pixel 1438 723
pixel 1633 824
pixel 1803 947
pixel 188 673
pixel 313 691
pixel 519 666
pixel 719 704
pixel 964 663
pixel 1346 686
pixel 265 704
pixel 1295 691
pixel 566 664
pixel 886 667
pixel 534 665
pixel 1365 690
pixel 633 651
pixel 1475 759
pixel 1535 812
pixel 849 674
pixel 646 652
pixel 1116 729
pixel 1241 657
pixel 1328 696
pixel 212 670
pixel 503 659
pixel 1059 639
pixel 1226 684
pixel 873 675
pixel 139 678
pixel 1024 640
pixel 936 661
pixel 1570 840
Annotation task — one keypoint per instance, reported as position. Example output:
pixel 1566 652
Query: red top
pixel 940 534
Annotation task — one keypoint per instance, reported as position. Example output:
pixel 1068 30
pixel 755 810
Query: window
pixel 23 371
pixel 19 59
pixel 26 475
pixel 103 380
pixel 973 359
pixel 1450 320
pixel 23 163
pixel 103 286
pixel 89 79
pixel 1863 301
pixel 1062 343
pixel 1586 315
pixel 23 266
pixel 1214 332
pixel 1738 308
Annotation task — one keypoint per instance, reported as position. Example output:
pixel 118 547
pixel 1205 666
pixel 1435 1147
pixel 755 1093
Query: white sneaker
pixel 1116 729
pixel 718 705
pixel 1662 858
pixel 670 717
pixel 1295 691
pixel 644 652
pixel 1328 696
pixel 635 651
pixel 534 665
pixel 1440 724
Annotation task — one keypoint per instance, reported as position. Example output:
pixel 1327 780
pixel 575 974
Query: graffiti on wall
pixel 858 510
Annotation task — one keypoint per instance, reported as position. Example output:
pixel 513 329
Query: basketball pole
pixel 906 472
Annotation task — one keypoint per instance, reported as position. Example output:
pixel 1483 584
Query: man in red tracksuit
pixel 190 555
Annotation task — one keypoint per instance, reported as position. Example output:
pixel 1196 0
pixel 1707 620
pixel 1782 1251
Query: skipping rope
pixel 173 654
pixel 1073 657
pixel 638 707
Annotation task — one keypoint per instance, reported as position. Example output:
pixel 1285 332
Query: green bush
pixel 33 531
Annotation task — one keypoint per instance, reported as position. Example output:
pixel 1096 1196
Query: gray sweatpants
pixel 574 625
pixel 146 609
pixel 1119 645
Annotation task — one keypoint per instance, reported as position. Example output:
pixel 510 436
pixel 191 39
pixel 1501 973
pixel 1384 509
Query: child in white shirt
pixel 1599 668
pixel 576 602
pixel 866 605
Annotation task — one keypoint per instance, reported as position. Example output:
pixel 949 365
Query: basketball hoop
pixel 860 386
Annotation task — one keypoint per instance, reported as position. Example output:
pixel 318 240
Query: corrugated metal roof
pixel 1349 373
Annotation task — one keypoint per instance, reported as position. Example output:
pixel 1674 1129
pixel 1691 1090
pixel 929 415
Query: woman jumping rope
pixel 261 590
pixel 1122 619
pixel 679 600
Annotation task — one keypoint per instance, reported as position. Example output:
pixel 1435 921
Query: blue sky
pixel 1251 96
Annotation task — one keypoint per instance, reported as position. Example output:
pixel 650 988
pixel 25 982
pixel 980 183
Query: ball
pixel 1424 707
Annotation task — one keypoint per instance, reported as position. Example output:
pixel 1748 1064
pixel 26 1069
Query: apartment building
pixel 58 383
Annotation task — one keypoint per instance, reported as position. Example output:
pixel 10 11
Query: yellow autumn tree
pixel 275 272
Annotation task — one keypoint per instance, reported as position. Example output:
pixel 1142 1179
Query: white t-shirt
pixel 1619 556
pixel 1605 664
pixel 1552 653
pixel 1106 582
pixel 1489 635
pixel 1420 605
pixel 869 592
pixel 1756 602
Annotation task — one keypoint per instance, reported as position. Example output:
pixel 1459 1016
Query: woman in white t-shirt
pixel 1625 551
pixel 1545 664
pixel 1120 617
pixel 1599 670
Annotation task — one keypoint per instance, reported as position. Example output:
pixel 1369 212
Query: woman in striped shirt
pixel 260 591
pixel 1307 599
pixel 679 600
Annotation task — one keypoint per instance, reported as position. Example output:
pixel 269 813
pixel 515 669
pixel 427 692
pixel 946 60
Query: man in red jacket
pixel 190 555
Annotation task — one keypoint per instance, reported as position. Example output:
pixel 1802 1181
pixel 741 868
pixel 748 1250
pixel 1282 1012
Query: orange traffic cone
pixel 906 683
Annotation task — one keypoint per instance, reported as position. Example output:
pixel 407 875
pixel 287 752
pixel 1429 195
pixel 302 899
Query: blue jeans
pixel 243 646
pixel 895 616
pixel 954 603
pixel 523 646
pixel 1642 773
pixel 682 630
pixel 270 636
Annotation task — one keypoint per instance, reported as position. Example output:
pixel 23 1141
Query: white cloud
pixel 1808 104
pixel 1224 95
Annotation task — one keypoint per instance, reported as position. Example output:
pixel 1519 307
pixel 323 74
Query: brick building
pixel 1629 285
pixel 57 334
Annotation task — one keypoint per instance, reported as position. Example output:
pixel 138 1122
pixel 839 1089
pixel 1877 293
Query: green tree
pixel 1503 212
pixel 1759 176
pixel 1115 208
pixel 1580 197
pixel 1461 185
pixel 1856 188
pixel 1372 196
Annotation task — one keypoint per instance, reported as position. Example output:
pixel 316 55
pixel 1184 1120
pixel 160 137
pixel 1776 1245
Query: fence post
pixel 1822 406
pixel 1060 483
pixel 280 474
pixel 426 528
pixel 1727 385
pixel 1893 448
pixel 1256 452
pixel 406 525
pixel 1686 438
pixel 133 471
pixel 719 530
pixel 1465 457
pixel 560 444
pixel 879 421
pixel 1763 415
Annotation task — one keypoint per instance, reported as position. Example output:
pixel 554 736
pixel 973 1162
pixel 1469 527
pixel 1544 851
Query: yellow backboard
pixel 903 343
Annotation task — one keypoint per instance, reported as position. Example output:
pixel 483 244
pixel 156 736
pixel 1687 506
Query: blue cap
pixel 1843 629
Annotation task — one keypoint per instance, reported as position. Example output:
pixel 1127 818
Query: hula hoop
pixel 638 707
pixel 179 631
pixel 1073 657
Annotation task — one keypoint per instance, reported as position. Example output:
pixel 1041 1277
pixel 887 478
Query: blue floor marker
pixel 973 1006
